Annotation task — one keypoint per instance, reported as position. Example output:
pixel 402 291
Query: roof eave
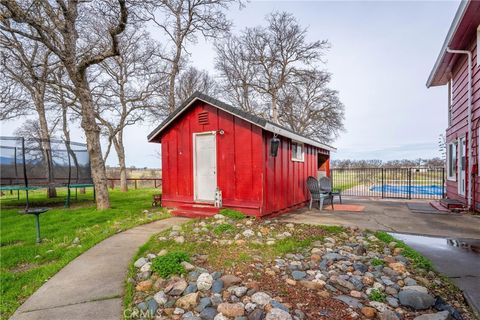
pixel 436 79
pixel 265 125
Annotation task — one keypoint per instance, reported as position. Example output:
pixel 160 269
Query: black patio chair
pixel 316 194
pixel 326 186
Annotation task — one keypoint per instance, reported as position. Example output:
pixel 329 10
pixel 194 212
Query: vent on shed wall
pixel 203 118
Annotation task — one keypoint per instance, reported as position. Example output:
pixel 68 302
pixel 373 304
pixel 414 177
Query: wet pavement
pixel 459 259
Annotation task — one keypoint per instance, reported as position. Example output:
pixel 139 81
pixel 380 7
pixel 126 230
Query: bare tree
pixel 309 107
pixel 28 64
pixel 273 71
pixel 80 34
pixel 237 73
pixel 192 80
pixel 14 100
pixel 126 89
pixel 181 22
pixel 278 52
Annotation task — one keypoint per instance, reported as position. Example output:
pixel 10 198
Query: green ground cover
pixel 66 233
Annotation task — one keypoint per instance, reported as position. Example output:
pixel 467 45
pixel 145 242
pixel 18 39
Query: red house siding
pixel 250 179
pixel 459 114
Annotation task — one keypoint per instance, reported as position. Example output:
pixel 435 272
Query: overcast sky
pixel 381 55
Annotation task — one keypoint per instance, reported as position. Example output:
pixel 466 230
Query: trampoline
pixel 28 164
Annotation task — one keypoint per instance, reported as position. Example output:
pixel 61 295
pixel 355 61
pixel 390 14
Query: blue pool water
pixel 433 190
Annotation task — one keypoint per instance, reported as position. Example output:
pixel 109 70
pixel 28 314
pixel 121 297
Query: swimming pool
pixel 431 190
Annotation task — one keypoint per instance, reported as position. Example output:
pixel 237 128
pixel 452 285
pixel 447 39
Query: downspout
pixel 469 120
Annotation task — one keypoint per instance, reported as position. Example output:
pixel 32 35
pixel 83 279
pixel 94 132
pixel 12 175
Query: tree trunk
pixel 92 133
pixel 171 91
pixel 120 149
pixel 45 143
pixel 274 108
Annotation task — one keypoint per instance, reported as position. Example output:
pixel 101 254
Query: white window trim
pixel 303 151
pixel 454 176
pixel 461 149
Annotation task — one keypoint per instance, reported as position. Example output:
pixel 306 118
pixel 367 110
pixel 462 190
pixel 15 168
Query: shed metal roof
pixel 263 123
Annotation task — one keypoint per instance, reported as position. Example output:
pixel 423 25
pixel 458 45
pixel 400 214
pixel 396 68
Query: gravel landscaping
pixel 227 267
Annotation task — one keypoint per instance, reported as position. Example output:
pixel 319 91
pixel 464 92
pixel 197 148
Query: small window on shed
pixel 297 151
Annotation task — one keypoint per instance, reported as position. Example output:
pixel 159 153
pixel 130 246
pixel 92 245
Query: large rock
pixel 152 306
pixel 190 316
pixel 231 309
pixel 204 282
pixel 248 233
pixel 229 280
pixel 188 301
pixel 161 298
pixel 369 312
pixel 444 315
pixel 278 314
pixel 217 286
pixel 313 285
pixel 416 288
pixel 333 256
pixel 261 298
pixel 388 315
pixel 144 285
pixel 417 300
pixel 397 267
pixel 176 286
pixel 298 275
pixel 345 284
pixel 238 291
pixel 352 302
pixel 204 302
pixel 256 314
pixel 140 262
pixel 208 313
pixel 179 239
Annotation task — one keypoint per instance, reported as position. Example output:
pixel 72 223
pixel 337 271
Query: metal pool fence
pixel 401 183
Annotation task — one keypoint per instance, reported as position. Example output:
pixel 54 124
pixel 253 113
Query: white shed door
pixel 205 166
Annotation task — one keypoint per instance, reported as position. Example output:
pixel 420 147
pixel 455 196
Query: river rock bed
pixel 253 271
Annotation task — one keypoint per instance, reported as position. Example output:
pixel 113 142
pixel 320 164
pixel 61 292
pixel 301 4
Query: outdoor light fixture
pixel 221 132
pixel 274 146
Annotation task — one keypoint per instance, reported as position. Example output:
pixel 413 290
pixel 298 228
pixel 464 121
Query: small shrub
pixel 332 229
pixel 169 264
pixel 233 214
pixel 377 295
pixel 223 228
pixel 377 262
pixel 290 245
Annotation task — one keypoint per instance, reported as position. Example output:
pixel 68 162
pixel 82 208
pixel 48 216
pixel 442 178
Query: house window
pixel 452 161
pixel 297 151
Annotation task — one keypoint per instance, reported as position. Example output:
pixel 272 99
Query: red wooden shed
pixel 209 146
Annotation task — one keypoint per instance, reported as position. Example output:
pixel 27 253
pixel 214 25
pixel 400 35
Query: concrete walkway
pixel 91 286
pixel 392 216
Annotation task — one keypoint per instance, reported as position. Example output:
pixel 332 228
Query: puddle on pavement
pixel 435 243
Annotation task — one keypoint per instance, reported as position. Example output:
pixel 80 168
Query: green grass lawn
pixel 25 265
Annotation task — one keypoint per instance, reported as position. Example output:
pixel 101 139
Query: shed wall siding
pixel 459 124
pixel 239 159
pixel 285 179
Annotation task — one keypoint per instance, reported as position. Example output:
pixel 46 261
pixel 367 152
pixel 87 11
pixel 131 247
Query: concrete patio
pixel 392 216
